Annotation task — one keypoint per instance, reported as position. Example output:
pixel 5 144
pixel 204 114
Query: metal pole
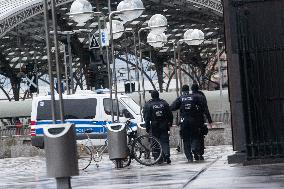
pixel 49 60
pixel 66 70
pixel 128 70
pixel 99 26
pixel 176 72
pixel 108 66
pixel 140 60
pixel 36 70
pixel 220 74
pixel 64 182
pixel 70 63
pixel 138 76
pixel 179 64
pixel 109 6
pixel 58 70
pixel 113 65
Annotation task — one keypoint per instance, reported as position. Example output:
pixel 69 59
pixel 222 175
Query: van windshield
pixel 73 109
pixel 131 104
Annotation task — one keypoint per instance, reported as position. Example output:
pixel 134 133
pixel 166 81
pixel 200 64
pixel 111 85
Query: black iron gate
pixel 261 49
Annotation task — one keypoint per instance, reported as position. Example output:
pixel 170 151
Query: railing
pixel 224 118
pixel 13 130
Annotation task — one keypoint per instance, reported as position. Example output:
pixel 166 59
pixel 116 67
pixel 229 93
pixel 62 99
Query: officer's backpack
pixel 190 104
pixel 158 110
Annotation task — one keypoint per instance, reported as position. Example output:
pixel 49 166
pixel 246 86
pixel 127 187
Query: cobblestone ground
pixel 30 172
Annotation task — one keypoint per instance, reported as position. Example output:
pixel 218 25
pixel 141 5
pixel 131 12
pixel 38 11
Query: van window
pixel 123 112
pixel 131 104
pixel 73 109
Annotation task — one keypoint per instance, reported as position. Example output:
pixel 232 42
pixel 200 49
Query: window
pixel 123 112
pixel 131 104
pixel 73 109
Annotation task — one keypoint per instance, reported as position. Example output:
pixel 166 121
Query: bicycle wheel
pixel 84 154
pixel 147 150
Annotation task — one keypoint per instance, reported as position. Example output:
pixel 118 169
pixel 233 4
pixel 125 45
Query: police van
pixel 87 110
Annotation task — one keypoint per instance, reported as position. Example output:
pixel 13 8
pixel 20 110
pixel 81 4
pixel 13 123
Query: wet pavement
pixel 224 175
pixel 23 172
pixel 214 172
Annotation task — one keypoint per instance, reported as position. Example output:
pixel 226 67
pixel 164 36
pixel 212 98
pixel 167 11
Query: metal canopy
pixel 23 38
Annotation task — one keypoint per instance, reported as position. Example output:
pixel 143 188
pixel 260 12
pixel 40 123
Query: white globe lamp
pixel 156 40
pixel 158 24
pixel 194 37
pixel 127 14
pixel 81 11
pixel 117 29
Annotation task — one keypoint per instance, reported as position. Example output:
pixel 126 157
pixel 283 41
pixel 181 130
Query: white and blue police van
pixel 87 110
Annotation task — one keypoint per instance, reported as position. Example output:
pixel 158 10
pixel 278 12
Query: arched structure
pixel 23 39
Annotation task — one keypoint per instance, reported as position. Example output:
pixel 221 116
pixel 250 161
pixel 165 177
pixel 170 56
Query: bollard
pixel 61 153
pixel 117 143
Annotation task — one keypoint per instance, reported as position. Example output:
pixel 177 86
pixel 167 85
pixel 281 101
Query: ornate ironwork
pixel 214 5
pixel 20 16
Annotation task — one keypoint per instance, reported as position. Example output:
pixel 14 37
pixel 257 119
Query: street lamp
pixel 81 11
pixel 158 24
pixel 128 15
pixel 191 37
pixel 156 38
pixel 126 10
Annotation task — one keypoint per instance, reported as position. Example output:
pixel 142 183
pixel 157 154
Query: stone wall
pixel 218 135
pixel 18 146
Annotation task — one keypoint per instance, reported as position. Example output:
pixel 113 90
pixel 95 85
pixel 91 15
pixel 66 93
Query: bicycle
pixel 88 152
pixel 145 149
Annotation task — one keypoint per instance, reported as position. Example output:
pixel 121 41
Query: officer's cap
pixel 194 87
pixel 155 94
pixel 185 88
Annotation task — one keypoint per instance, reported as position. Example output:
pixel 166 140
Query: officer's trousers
pixel 163 138
pixel 190 134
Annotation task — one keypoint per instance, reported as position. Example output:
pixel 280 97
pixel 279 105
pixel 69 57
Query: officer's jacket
pixel 157 110
pixel 190 105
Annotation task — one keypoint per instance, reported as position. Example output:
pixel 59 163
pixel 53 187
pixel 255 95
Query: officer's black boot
pixel 168 160
pixel 196 157
pixel 190 159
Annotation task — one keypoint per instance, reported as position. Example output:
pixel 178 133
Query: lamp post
pixel 191 37
pixel 68 36
pixel 220 73
pixel 157 24
pixel 81 11
pixel 112 51
pixel 135 54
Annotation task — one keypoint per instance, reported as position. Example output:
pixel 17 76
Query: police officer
pixel 204 129
pixel 158 119
pixel 191 110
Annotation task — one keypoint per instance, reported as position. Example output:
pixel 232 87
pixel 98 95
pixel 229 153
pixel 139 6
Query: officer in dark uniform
pixel 158 119
pixel 191 110
pixel 204 130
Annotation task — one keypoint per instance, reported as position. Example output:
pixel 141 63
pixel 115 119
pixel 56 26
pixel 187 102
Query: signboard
pixel 104 38
pixel 94 43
